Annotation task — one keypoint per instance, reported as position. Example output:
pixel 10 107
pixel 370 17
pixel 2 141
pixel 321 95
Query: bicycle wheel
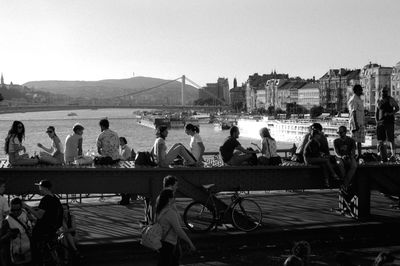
pixel 198 218
pixel 246 215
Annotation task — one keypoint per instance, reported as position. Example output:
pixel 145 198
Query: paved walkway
pixel 106 222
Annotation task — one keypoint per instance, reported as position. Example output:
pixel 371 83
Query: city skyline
pixel 93 40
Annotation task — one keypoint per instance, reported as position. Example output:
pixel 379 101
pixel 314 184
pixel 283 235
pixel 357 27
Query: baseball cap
pixel 44 183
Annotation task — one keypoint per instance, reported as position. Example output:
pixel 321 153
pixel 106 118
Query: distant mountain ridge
pixel 166 94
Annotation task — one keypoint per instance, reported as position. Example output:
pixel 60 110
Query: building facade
pixel 334 88
pixel 238 98
pixel 373 78
pixel 308 95
pixel 219 90
pixel 395 82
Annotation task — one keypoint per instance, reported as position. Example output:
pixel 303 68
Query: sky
pixel 202 39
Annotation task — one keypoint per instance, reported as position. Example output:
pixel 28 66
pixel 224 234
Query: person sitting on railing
pixel 314 155
pixel 268 147
pixel 163 157
pixel 298 157
pixel 345 150
pixel 73 144
pixel 107 144
pixel 126 153
pixel 54 154
pixel 13 146
pixel 232 152
pixel 196 143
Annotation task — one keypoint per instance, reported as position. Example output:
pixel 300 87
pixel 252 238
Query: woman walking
pixel 168 218
pixel 54 154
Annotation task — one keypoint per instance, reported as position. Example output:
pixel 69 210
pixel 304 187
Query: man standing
pixel 108 142
pixel 49 216
pixel 386 107
pixel 357 117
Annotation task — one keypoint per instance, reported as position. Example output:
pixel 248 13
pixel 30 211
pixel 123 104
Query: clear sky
pixel 203 39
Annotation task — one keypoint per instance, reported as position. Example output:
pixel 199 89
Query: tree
pixel 1 97
pixel 271 110
pixel 316 111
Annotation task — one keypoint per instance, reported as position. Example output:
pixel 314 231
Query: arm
pixel 336 148
pixel 240 148
pixel 38 213
pixel 179 231
pixel 160 154
pixel 44 148
pixel 80 147
pixel 395 106
pixel 263 147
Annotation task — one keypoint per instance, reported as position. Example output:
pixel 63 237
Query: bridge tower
pixel 182 89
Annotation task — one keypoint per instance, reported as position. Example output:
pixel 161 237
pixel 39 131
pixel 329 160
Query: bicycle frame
pixel 220 214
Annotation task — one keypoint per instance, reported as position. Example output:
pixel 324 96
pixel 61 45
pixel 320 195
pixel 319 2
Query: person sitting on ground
pixel 13 146
pixel 108 144
pixel 73 144
pixel 313 155
pixel 54 154
pixel 67 234
pixel 163 157
pixel 15 235
pixel 126 153
pixel 232 152
pixel 298 157
pixel 293 260
pixel 169 220
pixel 345 150
pixel 196 143
pixel 383 258
pixel 268 147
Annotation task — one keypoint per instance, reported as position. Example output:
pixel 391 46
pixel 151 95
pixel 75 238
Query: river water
pixel 122 121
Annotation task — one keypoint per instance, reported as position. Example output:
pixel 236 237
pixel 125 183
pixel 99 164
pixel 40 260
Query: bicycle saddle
pixel 208 186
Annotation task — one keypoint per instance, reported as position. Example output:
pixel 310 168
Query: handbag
pixel 152 235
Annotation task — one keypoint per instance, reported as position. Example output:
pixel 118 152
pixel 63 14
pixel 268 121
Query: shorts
pixel 359 135
pixel 385 132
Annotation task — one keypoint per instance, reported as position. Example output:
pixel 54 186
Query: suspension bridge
pixel 120 101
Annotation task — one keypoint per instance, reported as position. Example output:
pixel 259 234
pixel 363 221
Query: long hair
pixel 193 128
pixel 12 133
pixel 163 199
pixel 160 130
pixel 264 132
pixel 69 219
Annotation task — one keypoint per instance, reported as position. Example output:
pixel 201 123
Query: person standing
pixel 345 149
pixel 232 152
pixel 386 107
pixel 357 117
pixel 49 216
pixel 54 154
pixel 108 143
pixel 73 144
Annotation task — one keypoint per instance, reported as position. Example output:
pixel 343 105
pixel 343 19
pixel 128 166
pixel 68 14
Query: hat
pixel 77 126
pixel 44 183
pixel 50 129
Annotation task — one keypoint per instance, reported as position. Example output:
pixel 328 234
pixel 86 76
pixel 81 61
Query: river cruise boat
pixel 293 130
pixel 154 122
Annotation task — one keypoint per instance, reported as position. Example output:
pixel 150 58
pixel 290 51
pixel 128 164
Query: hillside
pixel 103 89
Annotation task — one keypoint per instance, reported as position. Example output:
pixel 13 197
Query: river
pixel 122 121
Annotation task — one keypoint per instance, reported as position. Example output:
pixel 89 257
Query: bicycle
pixel 245 213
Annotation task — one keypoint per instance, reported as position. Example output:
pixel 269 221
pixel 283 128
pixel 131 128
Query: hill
pixel 111 88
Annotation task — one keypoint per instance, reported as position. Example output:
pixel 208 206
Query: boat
pixel 202 118
pixel 193 121
pixel 72 114
pixel 154 122
pixel 293 130
pixel 224 125
pixel 176 122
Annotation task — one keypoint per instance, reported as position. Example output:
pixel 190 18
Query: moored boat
pixel 154 122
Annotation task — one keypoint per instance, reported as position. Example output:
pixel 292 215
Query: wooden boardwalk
pixel 106 222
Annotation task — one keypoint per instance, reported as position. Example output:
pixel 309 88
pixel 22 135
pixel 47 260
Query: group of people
pixel 109 146
pixel 29 235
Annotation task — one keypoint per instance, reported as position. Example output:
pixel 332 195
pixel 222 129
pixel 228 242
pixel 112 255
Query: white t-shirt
pixel 3 208
pixel 194 146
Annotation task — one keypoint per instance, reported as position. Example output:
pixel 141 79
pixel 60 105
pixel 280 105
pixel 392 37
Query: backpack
pixel 152 235
pixel 145 158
